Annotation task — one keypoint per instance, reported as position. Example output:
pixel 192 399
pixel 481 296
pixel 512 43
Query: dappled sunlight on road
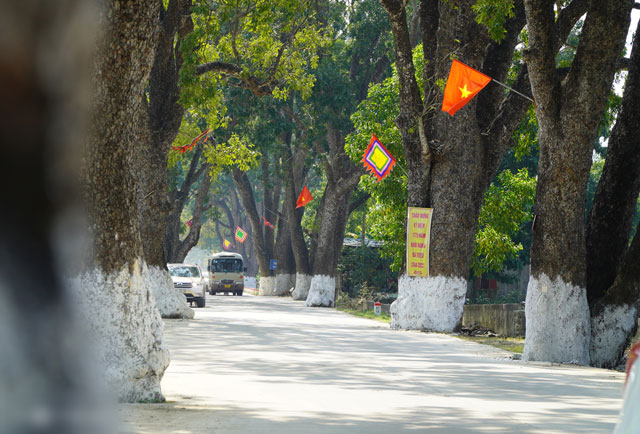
pixel 281 366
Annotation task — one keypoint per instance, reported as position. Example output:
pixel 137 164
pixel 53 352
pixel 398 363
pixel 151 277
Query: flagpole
pixel 512 89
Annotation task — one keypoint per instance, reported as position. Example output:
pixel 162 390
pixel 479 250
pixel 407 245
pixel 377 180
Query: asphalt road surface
pixel 264 365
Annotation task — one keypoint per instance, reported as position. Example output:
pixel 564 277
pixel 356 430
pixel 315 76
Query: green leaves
pixel 388 203
pixel 508 204
pixel 236 151
pixel 263 46
pixel 493 14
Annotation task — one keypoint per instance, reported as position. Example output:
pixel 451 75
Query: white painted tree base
pixel 303 283
pixel 267 286
pixel 321 291
pixel 250 282
pixel 284 284
pixel 610 334
pixel 557 322
pixel 125 323
pixel 429 303
pixel 171 302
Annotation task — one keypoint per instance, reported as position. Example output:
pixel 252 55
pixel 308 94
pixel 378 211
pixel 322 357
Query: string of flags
pixel 266 222
pixel 185 148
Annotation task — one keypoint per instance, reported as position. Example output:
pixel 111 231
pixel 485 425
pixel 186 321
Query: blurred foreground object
pixel 46 383
pixel 630 416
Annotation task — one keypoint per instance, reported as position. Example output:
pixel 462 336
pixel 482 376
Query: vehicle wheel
pixel 200 302
pixel 240 293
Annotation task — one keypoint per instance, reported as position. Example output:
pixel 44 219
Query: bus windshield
pixel 226 266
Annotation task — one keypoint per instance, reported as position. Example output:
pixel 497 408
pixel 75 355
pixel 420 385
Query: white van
pixel 189 279
pixel 226 273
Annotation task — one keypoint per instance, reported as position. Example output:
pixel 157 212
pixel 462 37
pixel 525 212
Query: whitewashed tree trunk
pixel 303 283
pixel 610 333
pixel 171 302
pixel 284 284
pixel 126 325
pixel 557 322
pixel 429 303
pixel 322 291
pixel 267 286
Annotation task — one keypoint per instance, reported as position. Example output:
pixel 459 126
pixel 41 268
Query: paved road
pixel 270 365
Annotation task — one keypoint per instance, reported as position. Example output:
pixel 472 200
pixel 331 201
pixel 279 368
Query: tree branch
pixel 567 19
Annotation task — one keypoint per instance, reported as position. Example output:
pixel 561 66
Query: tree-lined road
pixel 272 365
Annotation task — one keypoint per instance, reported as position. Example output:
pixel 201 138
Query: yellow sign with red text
pixel 418 240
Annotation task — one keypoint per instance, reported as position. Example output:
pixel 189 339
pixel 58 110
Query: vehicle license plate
pixel 227 286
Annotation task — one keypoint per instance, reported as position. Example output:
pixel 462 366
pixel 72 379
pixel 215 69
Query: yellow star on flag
pixel 464 91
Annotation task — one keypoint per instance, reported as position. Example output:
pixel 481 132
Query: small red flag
pixel 304 198
pixel 189 223
pixel 185 148
pixel 463 84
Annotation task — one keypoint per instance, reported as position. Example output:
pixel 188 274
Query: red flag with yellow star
pixel 304 198
pixel 463 84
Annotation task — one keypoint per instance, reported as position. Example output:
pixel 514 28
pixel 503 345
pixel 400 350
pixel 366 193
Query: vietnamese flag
pixel 463 84
pixel 304 198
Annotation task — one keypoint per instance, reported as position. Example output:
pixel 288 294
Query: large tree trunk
pixel 246 249
pixel 164 116
pixel 450 160
pixel 114 290
pixel 342 179
pixel 294 173
pixel 286 269
pixel 263 250
pixel 172 242
pixel 613 300
pixel 568 112
pixel 182 248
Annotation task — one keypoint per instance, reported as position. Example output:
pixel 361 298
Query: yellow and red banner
pixel 418 240
pixel 463 84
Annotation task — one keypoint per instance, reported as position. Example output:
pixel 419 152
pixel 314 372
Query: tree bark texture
pixel 613 282
pixel 246 249
pixel 617 194
pixel 115 289
pixel 293 215
pixel 164 116
pixel 451 160
pixel 262 250
pixel 614 318
pixel 568 115
pixel 342 178
pixel 181 249
pixel 175 248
